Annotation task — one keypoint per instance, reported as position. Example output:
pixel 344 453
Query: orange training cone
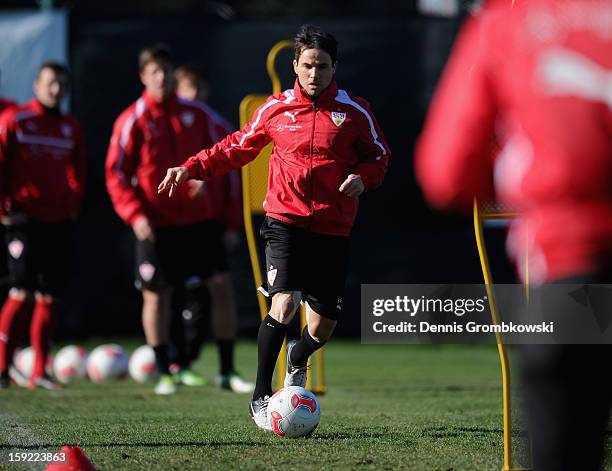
pixel 74 460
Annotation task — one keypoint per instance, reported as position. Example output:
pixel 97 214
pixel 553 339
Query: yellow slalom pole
pixel 501 348
pixel 271 61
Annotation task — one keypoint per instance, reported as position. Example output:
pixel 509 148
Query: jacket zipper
pixel 314 114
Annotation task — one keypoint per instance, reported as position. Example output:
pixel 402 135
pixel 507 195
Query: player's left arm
pixel 372 150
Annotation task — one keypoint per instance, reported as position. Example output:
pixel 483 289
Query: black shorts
pixel 315 264
pixel 40 255
pixel 180 253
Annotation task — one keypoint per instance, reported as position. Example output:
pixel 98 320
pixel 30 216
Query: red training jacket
pixel 316 146
pixel 540 73
pixel 42 163
pixel 151 136
pixel 5 104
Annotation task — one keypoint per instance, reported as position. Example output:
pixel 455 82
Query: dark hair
pixel 58 68
pixel 192 72
pixel 156 53
pixel 313 37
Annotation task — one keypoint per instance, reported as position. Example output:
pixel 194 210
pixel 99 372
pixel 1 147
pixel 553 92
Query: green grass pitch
pixel 388 407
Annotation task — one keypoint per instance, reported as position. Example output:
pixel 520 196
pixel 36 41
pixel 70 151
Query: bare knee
pixel 18 294
pixel 155 300
pixel 321 328
pixel 151 298
pixel 44 298
pixel 284 306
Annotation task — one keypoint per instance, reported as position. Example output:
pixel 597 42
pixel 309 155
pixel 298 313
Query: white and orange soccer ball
pixel 70 363
pixel 107 362
pixel 293 412
pixel 142 365
pixel 24 362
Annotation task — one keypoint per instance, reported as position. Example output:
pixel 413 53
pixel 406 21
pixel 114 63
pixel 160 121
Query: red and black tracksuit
pixel 42 177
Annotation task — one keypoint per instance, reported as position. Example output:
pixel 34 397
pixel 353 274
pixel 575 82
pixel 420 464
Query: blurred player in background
pixel 539 73
pixel 191 85
pixel 4 281
pixel 179 238
pixel 316 178
pixel 42 177
pixel 194 302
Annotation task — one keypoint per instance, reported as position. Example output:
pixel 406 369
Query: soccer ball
pixel 142 365
pixel 106 362
pixel 293 412
pixel 70 364
pixel 24 362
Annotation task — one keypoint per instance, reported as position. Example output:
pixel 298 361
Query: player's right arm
pixel 232 152
pixel 122 160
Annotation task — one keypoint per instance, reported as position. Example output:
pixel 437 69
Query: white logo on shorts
pixel 339 303
pixel 272 275
pixel 15 248
pixel 147 271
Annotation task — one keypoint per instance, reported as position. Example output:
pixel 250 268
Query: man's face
pixel 315 71
pixel 157 79
pixel 186 88
pixel 50 88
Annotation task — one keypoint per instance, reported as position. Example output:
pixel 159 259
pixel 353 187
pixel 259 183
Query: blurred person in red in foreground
pixel 42 178
pixel 175 238
pixel 540 74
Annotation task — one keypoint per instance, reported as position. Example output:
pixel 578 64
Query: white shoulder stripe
pixel 25 114
pixel 289 98
pixel 129 123
pixel 343 97
pixel 125 136
pixel 45 140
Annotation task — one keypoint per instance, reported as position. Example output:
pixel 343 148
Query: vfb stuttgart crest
pixel 272 275
pixel 338 118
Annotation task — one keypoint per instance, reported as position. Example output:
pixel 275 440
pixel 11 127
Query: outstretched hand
pixel 175 176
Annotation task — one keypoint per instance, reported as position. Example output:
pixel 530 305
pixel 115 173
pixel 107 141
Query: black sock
pixel 226 355
pixel 305 347
pixel 269 343
pixel 161 359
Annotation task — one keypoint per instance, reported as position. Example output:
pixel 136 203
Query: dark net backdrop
pixel 392 62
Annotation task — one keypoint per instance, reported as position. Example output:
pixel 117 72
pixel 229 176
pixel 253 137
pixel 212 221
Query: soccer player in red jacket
pixel 540 74
pixel 42 178
pixel 200 296
pixel 178 238
pixel 328 149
